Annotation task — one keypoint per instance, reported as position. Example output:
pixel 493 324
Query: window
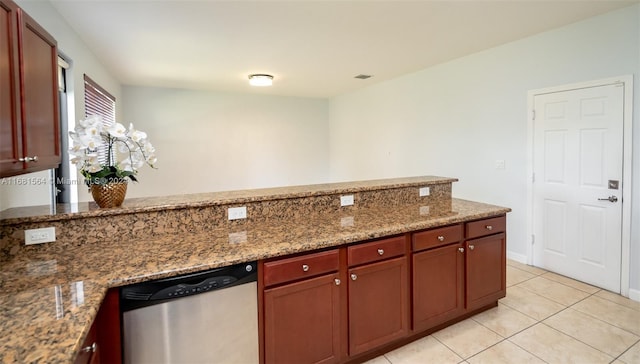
pixel 97 101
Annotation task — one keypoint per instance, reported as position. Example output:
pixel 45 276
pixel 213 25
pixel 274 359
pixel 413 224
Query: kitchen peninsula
pixel 51 293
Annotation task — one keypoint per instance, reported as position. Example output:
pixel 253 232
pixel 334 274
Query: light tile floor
pixel 545 318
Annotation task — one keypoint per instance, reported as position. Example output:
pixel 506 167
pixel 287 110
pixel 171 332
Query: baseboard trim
pixel 634 294
pixel 520 258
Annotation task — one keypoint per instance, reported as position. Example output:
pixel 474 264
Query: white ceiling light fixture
pixel 260 79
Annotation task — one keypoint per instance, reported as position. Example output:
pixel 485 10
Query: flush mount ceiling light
pixel 260 80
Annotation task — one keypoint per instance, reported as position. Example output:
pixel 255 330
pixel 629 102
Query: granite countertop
pixel 148 204
pixel 50 298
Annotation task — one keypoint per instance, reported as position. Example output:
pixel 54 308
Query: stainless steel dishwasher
pixel 205 317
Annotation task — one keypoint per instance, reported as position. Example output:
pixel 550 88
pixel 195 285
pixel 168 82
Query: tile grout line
pixel 622 353
pixel 599 319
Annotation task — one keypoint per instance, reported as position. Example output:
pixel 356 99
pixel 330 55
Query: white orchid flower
pixel 91 121
pixel 117 130
pixel 136 135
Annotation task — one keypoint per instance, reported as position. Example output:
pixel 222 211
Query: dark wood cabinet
pixel 102 344
pixel 302 304
pixel 29 119
pixel 378 304
pixel 10 132
pixel 485 270
pixel 355 302
pixel 438 286
pixel 302 321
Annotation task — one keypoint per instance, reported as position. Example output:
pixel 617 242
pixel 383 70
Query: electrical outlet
pixel 424 191
pixel 346 200
pixel 500 164
pixel 236 213
pixel 39 236
pixel 424 210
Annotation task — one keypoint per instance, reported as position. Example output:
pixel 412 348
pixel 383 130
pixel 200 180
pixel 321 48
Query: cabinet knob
pixel 29 159
pixel 440 238
pixel 337 281
pixel 471 247
pixel 489 227
pixel 305 268
pixel 380 251
pixel 353 277
pixel 90 349
pixel 461 250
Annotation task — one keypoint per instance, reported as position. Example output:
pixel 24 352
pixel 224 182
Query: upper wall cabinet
pixel 29 120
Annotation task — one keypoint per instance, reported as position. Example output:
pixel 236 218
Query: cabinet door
pixel 39 85
pixel 378 304
pixel 302 322
pixel 10 133
pixel 485 270
pixel 438 286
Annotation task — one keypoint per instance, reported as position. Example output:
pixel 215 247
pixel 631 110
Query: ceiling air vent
pixel 363 77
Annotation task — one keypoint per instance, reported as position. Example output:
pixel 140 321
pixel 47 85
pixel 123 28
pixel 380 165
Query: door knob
pixel 353 277
pixel 461 250
pixel 610 199
pixel 380 251
pixel 305 268
pixel 471 247
pixel 337 281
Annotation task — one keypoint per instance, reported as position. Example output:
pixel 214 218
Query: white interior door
pixel 577 189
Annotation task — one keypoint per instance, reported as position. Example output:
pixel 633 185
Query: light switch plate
pixel 425 191
pixel 39 236
pixel 500 164
pixel 346 200
pixel 236 213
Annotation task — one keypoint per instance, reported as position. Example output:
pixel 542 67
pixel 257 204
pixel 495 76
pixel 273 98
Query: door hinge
pixel 533 177
pixel 533 114
pixel 533 239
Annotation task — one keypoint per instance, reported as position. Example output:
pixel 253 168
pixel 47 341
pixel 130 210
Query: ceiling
pixel 312 48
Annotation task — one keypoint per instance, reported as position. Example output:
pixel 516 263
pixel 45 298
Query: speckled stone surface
pixel 51 293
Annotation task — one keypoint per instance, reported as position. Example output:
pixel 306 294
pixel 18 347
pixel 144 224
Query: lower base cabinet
pixel 485 270
pixel 302 321
pixel 438 286
pixel 352 303
pixel 102 344
pixel 378 304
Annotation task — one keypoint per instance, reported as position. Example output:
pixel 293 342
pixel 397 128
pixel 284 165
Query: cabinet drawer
pixel 376 250
pixel 308 265
pixel 486 227
pixel 437 237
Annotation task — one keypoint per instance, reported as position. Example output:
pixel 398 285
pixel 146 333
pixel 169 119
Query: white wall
pixel 14 192
pixel 214 141
pixel 456 119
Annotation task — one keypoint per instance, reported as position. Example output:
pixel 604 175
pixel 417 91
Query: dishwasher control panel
pixel 159 291
pixel 189 289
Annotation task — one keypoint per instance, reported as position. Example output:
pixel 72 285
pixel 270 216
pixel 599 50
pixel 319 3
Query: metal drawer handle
pixel 29 159
pixel 380 251
pixel 471 247
pixel 461 250
pixel 305 268
pixel 353 277
pixel 90 349
pixel 489 227
pixel 440 238
pixel 337 281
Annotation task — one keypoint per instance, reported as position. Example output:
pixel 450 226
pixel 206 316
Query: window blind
pixel 97 101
